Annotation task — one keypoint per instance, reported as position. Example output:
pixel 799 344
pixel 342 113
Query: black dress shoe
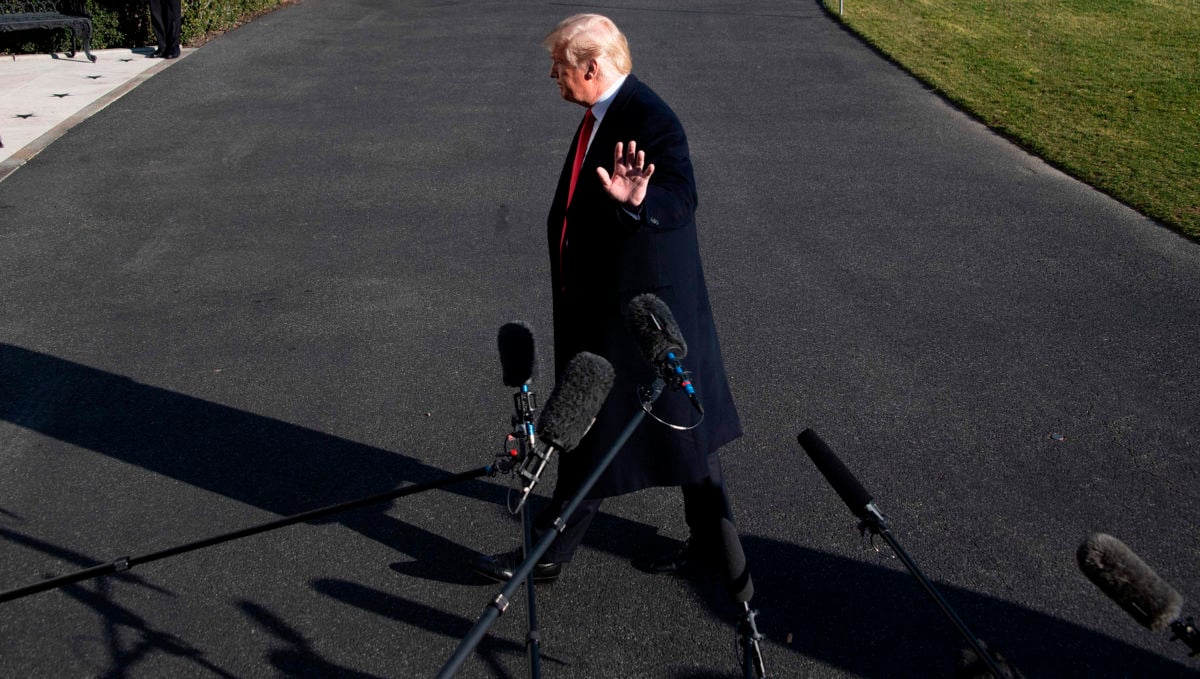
pixel 158 53
pixel 500 567
pixel 689 558
pixel 172 53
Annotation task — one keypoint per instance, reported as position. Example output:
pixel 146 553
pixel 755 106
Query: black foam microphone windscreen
pixel 847 486
pixel 1127 580
pixel 575 401
pixel 741 586
pixel 655 329
pixel 517 358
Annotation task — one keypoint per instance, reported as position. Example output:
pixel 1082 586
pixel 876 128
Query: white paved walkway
pixel 44 95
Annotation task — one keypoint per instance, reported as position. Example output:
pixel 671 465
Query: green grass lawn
pixel 1107 90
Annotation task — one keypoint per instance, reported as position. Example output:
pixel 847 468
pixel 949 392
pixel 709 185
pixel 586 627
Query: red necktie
pixel 585 133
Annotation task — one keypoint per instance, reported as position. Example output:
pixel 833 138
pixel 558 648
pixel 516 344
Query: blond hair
pixel 590 36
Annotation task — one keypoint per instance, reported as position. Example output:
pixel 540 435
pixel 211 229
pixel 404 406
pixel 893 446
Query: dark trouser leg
pixel 158 21
pixel 705 504
pixel 173 22
pixel 564 546
pixel 166 17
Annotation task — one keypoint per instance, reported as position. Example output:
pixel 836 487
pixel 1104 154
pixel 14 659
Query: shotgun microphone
pixel 568 414
pixel 518 365
pixel 575 401
pixel 862 505
pixel 1127 580
pixel 1135 587
pixel 517 358
pixel 741 586
pixel 661 342
pixel 655 329
pixel 856 497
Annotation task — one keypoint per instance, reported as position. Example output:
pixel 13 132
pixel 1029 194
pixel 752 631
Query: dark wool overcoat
pixel 610 257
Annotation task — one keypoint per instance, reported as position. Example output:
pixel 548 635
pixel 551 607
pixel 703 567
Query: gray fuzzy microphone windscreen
pixel 654 327
pixel 1127 580
pixel 575 401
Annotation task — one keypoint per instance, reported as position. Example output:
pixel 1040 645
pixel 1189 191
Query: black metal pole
pixel 533 636
pixel 753 666
pixel 533 639
pixel 878 525
pixel 126 562
pixel 862 505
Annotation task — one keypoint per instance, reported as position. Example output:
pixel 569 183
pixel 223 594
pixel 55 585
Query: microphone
pixel 517 358
pixel 575 401
pixel 1127 580
pixel 862 505
pixel 661 342
pixel 654 327
pixel 518 365
pixel 856 497
pixel 741 586
pixel 568 413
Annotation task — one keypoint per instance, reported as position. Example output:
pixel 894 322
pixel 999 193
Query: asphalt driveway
pixel 270 278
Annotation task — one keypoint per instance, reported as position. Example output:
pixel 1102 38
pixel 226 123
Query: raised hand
pixel 630 175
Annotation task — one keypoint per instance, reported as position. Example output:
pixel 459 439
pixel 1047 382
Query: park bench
pixel 22 15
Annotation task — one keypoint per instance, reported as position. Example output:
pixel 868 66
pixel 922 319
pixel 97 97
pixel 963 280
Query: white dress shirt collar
pixel 601 107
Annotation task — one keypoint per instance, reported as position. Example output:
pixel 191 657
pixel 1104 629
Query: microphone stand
pixel 877 524
pixel 126 562
pixel 862 505
pixel 496 607
pixel 753 666
pixel 1188 633
pixel 523 425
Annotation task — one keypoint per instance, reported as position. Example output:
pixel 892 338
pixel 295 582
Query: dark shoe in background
pixel 689 558
pixel 500 567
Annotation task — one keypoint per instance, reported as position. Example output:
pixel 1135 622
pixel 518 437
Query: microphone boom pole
pixel 863 506
pixel 126 562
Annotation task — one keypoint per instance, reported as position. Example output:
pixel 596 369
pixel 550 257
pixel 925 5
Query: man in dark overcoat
pixel 612 235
